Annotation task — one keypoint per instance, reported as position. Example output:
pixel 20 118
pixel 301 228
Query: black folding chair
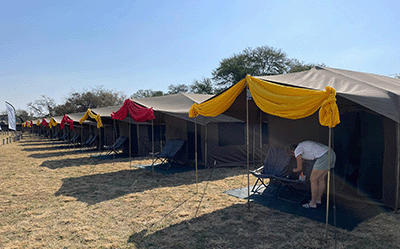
pixel 90 141
pixel 116 146
pixel 278 170
pixel 169 154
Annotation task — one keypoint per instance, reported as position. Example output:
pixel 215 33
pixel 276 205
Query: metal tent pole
pixel 397 168
pixel 152 138
pixel 328 184
pixel 195 151
pixel 114 134
pixel 130 141
pixel 206 146
pixel 247 148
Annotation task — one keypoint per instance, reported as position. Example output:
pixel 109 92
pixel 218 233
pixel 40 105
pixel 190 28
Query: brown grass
pixel 53 197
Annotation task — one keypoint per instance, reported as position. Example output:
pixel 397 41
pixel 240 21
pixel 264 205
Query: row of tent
pixel 366 141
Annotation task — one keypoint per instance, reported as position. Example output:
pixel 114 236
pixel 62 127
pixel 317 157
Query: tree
pixel 397 76
pixel 23 115
pixel 203 86
pixel 298 66
pixel 146 93
pixel 89 99
pixel 259 61
pixel 180 88
pixel 43 107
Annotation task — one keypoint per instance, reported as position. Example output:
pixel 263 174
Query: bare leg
pixel 321 186
pixel 317 178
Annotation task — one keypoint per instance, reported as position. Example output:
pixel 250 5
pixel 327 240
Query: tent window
pixel 230 134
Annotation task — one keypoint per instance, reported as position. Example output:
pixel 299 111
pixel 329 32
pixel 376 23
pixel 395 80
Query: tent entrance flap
pixel 359 146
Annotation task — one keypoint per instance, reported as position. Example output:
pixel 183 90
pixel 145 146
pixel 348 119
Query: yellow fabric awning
pixel 52 123
pixel 38 122
pixel 278 100
pixel 90 114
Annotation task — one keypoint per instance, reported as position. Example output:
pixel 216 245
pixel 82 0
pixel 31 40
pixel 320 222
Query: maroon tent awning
pixel 136 112
pixel 44 122
pixel 66 119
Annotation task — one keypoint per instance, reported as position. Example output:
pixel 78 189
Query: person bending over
pixel 310 150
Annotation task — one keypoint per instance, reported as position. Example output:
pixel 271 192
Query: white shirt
pixel 310 150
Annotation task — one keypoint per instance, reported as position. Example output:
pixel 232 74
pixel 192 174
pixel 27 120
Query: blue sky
pixel 55 47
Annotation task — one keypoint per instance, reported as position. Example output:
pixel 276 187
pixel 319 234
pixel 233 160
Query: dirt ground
pixel 55 196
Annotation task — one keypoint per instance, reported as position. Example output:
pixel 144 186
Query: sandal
pixel 307 205
pixel 316 202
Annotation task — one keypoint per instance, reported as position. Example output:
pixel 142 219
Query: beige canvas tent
pixel 220 140
pixel 366 142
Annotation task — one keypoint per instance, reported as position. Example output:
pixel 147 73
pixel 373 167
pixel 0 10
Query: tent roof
pixel 378 93
pixel 178 105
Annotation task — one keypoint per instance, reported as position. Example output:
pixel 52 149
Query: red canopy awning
pixel 44 122
pixel 136 112
pixel 66 119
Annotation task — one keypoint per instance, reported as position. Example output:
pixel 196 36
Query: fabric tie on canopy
pixel 90 114
pixel 52 123
pixel 136 112
pixel 274 99
pixel 66 119
pixel 44 122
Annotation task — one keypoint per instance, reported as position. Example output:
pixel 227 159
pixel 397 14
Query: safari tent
pixel 110 130
pixel 220 142
pixel 366 142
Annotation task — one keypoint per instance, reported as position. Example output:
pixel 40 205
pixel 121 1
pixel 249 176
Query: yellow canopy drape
pixel 38 122
pixel 52 123
pixel 88 114
pixel 274 99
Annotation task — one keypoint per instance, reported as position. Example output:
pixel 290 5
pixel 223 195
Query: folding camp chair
pixel 74 140
pixel 55 135
pixel 169 153
pixel 63 137
pixel 90 141
pixel 116 146
pixel 277 169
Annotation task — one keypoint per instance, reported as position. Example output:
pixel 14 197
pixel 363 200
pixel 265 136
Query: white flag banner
pixel 11 116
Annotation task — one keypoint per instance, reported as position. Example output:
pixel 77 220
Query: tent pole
pixel 328 184
pixel 261 137
pixel 152 138
pixel 397 168
pixel 195 151
pixel 247 148
pixel 81 137
pixel 206 146
pixel 114 131
pixel 130 143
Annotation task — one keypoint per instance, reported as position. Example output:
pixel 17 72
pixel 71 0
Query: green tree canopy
pixel 94 98
pixel 263 60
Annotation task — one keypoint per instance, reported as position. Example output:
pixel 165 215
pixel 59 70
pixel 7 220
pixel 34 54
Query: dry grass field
pixel 57 197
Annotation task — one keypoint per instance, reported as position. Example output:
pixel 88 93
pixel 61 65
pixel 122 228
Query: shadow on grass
pixel 96 188
pixel 232 227
pixel 349 212
pixel 69 162
pixel 56 154
pixel 260 227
